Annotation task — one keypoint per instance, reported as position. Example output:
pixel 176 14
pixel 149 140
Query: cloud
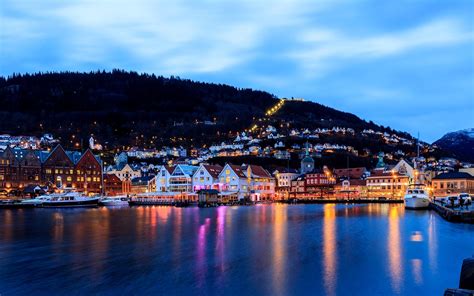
pixel 323 49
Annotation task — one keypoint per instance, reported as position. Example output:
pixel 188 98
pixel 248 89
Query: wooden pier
pixel 453 215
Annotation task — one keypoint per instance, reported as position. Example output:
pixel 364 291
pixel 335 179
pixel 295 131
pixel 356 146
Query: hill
pixel 127 108
pixel 459 143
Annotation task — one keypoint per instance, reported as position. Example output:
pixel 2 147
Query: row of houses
pixel 57 169
pixel 245 181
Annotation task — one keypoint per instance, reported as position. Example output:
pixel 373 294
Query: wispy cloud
pixel 322 49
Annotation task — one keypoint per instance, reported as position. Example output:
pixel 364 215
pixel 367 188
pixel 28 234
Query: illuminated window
pixel 69 179
pixel 227 172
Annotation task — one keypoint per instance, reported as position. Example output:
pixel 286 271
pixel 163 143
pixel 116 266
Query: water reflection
pixel 58 227
pixel 329 248
pixel 432 243
pixel 279 249
pixel 394 248
pixel 416 271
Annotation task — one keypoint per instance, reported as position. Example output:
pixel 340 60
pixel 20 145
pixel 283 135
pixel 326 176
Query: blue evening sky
pixel 406 64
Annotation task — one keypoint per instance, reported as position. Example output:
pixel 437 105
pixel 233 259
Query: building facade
pixel 452 183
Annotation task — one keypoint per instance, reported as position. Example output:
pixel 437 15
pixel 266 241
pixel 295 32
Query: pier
pixel 452 215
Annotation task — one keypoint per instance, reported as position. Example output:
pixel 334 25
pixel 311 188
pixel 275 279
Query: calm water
pixel 261 250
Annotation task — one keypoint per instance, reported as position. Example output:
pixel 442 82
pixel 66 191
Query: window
pixel 227 172
pixel 69 179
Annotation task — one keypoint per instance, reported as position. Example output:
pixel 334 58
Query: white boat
pixel 71 199
pixel 416 197
pixel 114 201
pixel 37 201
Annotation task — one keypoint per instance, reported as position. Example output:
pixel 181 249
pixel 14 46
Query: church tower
pixel 307 163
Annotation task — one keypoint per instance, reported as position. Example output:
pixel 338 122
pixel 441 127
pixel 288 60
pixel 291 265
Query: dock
pixel 341 201
pixel 453 215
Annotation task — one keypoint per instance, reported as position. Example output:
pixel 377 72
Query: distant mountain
pixel 460 143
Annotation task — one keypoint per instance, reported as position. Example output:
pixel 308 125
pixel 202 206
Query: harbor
pixel 323 248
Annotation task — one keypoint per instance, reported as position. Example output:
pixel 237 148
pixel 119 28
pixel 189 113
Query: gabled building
pixel 207 177
pixel 112 185
pixel 234 180
pixel 162 178
pixel 124 171
pixel 58 170
pixel 262 184
pixel 181 180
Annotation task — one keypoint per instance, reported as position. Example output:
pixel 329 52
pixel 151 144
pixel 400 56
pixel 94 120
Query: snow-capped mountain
pixel 460 143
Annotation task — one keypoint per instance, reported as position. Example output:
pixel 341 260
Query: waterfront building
pixel 283 178
pixel 181 180
pixel 112 185
pixel 162 178
pixel 124 171
pixel 58 169
pixel 262 184
pixel 351 188
pixel 234 180
pixel 386 184
pixel 207 177
pixel 314 184
pixel 140 184
pixel 452 183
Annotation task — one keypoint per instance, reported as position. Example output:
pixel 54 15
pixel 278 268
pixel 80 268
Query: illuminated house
pixel 207 177
pixel 124 171
pixel 283 178
pixel 386 184
pixel 162 178
pixel 181 180
pixel 58 169
pixel 234 180
pixel 262 184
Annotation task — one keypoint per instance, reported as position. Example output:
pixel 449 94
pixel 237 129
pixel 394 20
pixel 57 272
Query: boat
pixel 109 201
pixel 416 197
pixel 37 201
pixel 71 199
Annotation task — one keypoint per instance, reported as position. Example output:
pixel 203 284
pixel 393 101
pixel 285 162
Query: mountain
pixel 123 109
pixel 460 143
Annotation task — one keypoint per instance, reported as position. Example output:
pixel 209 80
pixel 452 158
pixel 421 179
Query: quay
pixel 341 201
pixel 452 215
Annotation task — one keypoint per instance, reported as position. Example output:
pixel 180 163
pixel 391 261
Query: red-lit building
pixel 112 185
pixel 58 169
pixel 314 184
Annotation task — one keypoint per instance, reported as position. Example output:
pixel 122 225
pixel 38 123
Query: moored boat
pixel 37 201
pixel 416 197
pixel 71 199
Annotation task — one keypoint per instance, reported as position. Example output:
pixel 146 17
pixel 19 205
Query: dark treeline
pixel 128 108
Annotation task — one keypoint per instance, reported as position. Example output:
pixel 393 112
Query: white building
pixel 162 178
pixel 124 172
pixel 181 180
pixel 234 180
pixel 207 177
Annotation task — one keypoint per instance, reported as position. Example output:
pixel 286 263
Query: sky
pixel 404 64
